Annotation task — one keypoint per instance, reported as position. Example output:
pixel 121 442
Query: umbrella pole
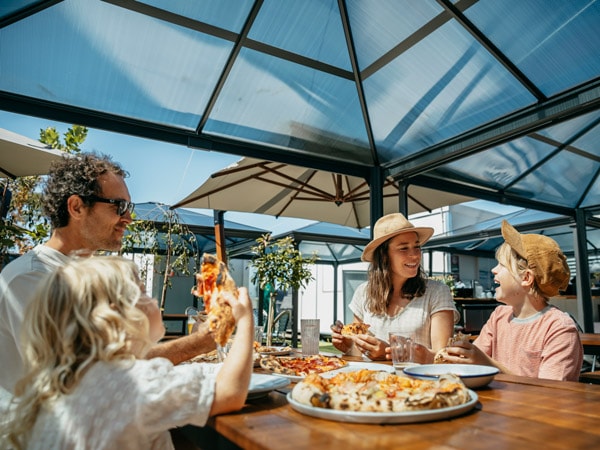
pixel 220 235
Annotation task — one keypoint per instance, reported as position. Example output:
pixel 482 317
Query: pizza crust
pixel 212 280
pixel 378 391
pixel 354 328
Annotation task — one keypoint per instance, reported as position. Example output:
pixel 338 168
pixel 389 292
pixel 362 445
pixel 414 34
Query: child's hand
pixel 241 307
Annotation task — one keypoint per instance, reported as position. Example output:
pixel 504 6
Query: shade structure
pixel 21 156
pixel 278 189
pixel 202 225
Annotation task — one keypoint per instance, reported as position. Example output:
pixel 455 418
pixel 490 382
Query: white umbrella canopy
pixel 21 156
pixel 278 189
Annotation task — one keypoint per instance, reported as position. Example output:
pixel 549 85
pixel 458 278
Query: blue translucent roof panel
pixel 302 28
pixel 157 212
pixel 559 180
pixel 271 100
pixel 431 92
pixel 565 44
pixel 113 60
pixel 227 14
pixel 332 243
pixel 503 164
pixel 474 93
pixel 379 26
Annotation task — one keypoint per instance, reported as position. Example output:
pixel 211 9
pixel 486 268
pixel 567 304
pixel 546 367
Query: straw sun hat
pixel 392 225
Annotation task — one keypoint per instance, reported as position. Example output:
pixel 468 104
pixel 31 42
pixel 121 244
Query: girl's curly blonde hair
pixel 85 312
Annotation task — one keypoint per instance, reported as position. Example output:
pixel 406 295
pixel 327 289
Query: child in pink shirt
pixel 526 336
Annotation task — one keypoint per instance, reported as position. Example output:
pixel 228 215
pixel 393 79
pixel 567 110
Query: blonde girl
pixel 87 385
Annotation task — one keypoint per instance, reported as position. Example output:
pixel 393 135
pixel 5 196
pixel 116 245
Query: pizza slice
pixel 211 282
pixel 354 328
pixel 440 356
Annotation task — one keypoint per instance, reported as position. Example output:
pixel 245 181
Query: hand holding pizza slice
pixel 213 284
pixel 440 356
pixel 355 328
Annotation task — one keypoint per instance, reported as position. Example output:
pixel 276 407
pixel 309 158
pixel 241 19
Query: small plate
pixel 472 375
pixel 262 384
pixel 384 417
pixel 277 351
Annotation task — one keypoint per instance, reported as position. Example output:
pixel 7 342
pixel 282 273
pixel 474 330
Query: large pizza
pixel 378 391
pixel 211 282
pixel 302 365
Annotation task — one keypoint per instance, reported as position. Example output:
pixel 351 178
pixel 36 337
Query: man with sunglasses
pixel 89 207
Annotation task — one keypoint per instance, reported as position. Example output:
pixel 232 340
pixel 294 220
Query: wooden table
pixel 512 413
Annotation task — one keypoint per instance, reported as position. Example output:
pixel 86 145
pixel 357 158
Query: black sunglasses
pixel 123 206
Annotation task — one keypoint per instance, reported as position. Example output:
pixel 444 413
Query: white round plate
pixel 472 375
pixel 384 417
pixel 261 384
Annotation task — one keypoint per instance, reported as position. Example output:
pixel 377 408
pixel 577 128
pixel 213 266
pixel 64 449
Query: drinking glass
pixel 310 333
pixel 401 344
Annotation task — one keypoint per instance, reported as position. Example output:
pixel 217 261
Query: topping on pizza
pixel 379 391
pixel 354 328
pixel 301 366
pixel 211 282
pixel 440 356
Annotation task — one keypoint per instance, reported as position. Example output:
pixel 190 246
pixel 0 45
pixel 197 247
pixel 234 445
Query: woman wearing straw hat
pixel 398 296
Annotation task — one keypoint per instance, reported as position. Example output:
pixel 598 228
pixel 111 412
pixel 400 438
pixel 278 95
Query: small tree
pixel 167 238
pixel 281 265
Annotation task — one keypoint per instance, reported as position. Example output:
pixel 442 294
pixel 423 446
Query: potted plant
pixel 281 266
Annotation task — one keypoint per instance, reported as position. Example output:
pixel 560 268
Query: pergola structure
pixel 488 99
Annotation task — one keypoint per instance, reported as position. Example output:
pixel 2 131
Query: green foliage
pixel 73 138
pixel 25 226
pixel 280 264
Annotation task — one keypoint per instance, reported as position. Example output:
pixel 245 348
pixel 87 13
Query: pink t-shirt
pixel 545 345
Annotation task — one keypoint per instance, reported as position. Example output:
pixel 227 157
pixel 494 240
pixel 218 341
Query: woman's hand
pixel 342 343
pixel 371 347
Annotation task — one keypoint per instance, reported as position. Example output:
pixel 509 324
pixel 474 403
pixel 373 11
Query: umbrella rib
pixel 298 190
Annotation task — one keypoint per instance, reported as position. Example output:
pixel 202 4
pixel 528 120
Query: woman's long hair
pixel 84 313
pixel 379 282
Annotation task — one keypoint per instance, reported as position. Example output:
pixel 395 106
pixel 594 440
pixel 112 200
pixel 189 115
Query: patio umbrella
pixel 278 189
pixel 21 156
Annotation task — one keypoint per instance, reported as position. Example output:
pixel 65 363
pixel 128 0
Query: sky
pixel 158 171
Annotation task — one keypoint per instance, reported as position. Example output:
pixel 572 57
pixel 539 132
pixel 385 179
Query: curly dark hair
pixel 74 175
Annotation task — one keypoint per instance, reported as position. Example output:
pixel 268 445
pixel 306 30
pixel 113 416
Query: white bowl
pixel 472 375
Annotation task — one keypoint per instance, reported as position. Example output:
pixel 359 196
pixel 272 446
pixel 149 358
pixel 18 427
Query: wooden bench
pixel 590 377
